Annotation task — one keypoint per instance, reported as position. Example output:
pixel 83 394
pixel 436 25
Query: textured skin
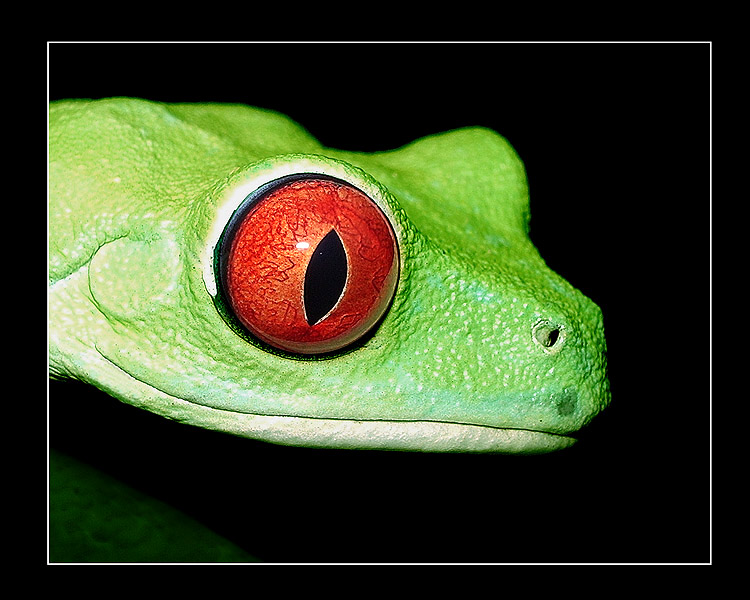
pixel 139 194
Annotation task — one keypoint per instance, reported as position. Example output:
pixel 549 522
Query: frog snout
pixel 577 361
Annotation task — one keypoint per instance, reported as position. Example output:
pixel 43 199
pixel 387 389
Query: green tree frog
pixel 215 264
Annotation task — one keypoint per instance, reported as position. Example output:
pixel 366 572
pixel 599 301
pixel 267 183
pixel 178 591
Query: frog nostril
pixel 548 335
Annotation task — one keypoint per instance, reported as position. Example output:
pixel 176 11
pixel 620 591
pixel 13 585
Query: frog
pixel 215 264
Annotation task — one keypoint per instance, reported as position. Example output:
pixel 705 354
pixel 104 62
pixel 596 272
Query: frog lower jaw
pixel 417 436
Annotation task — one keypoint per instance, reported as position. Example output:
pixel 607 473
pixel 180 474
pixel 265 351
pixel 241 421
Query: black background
pixel 616 141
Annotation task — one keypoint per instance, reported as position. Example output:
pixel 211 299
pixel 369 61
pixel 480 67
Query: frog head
pixel 216 265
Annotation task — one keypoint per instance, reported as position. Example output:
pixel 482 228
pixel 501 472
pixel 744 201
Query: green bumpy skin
pixel 484 349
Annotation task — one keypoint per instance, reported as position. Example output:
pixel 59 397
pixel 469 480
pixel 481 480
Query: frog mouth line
pixel 352 434
pixel 417 436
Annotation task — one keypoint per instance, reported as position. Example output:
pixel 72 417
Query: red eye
pixel 308 264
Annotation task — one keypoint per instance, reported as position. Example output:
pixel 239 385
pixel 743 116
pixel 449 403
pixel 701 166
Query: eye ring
pixel 307 266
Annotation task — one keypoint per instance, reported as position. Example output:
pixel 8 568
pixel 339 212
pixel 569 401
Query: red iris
pixel 310 265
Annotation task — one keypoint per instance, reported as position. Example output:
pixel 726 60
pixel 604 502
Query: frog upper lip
pixel 351 433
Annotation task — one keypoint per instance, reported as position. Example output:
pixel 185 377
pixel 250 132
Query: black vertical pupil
pixel 325 277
